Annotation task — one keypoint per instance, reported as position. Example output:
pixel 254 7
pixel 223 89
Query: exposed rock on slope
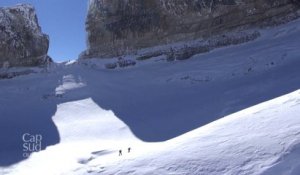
pixel 22 42
pixel 115 27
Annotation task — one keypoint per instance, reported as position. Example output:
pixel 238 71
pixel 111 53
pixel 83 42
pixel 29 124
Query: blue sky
pixel 63 21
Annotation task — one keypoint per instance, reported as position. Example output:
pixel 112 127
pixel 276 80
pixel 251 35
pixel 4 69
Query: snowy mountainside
pixel 22 43
pixel 210 114
pixel 118 27
pixel 264 139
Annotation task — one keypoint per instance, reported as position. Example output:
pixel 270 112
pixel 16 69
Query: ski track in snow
pixel 235 110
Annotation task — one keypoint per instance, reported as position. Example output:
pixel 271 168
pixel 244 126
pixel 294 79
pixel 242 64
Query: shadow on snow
pixel 154 111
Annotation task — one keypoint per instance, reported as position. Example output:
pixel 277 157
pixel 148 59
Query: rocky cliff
pixel 115 27
pixel 22 42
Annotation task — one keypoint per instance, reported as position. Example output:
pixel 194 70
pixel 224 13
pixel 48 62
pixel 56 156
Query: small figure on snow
pixel 120 152
pixel 129 150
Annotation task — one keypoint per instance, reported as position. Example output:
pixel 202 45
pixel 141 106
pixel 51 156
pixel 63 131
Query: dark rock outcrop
pixel 116 27
pixel 22 42
pixel 122 63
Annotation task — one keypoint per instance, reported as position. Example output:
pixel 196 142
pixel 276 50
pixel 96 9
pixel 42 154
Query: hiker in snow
pixel 129 150
pixel 120 152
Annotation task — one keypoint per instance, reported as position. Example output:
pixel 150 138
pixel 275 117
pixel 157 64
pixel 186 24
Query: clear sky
pixel 63 21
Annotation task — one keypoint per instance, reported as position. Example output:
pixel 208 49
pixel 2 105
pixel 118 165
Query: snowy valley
pixel 233 110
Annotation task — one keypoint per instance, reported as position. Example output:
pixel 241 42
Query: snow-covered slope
pixel 264 139
pixel 211 114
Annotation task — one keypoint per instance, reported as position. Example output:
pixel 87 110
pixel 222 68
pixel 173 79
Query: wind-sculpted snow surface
pixel 216 113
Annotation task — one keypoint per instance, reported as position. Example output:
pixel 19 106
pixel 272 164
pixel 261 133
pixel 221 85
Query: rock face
pixel 22 42
pixel 115 27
